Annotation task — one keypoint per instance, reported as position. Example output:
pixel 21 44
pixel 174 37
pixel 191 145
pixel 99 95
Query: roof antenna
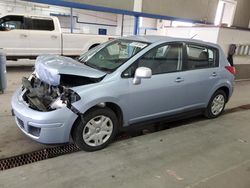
pixel 194 36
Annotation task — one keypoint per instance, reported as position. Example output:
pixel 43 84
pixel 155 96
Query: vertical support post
pixel 137 8
pixel 222 14
pixel 122 25
pixel 71 21
pixel 136 25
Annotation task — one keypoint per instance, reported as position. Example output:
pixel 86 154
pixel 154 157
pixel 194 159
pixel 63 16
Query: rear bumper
pixel 45 127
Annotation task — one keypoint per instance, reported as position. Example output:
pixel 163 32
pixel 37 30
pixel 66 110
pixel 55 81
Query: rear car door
pixel 163 93
pixel 14 36
pixel 44 38
pixel 201 72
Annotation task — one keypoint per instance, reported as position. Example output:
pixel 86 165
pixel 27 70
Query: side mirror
pixel 141 73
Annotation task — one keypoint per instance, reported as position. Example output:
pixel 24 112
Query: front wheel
pixel 216 104
pixel 95 130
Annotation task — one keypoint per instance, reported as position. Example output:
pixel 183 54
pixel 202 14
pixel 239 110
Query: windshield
pixel 109 56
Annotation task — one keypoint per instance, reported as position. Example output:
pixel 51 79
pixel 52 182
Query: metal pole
pixel 71 20
pixel 122 25
pixel 136 26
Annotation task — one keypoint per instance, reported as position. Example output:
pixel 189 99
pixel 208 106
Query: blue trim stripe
pixel 112 10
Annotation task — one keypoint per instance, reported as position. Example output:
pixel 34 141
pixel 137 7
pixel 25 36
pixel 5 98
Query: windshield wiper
pixel 90 65
pixel 105 69
pixel 97 67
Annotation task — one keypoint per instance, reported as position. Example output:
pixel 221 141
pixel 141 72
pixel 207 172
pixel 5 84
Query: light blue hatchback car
pixel 121 83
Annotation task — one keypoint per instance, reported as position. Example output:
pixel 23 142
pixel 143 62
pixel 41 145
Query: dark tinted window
pixel 11 22
pixel 42 24
pixel 200 57
pixel 162 59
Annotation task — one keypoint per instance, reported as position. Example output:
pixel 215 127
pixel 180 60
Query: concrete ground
pixel 10 137
pixel 205 153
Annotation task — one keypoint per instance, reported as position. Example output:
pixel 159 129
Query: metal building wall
pixel 118 4
pixel 197 10
pixel 242 14
pixel 191 9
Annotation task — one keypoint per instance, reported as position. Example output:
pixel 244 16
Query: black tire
pixel 77 132
pixel 208 112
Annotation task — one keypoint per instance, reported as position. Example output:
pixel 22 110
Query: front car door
pixel 201 68
pixel 14 36
pixel 164 92
pixel 44 38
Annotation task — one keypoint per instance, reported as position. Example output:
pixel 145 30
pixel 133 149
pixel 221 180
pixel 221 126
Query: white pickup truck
pixel 27 36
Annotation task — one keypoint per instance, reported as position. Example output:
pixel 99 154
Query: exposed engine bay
pixel 48 88
pixel 45 97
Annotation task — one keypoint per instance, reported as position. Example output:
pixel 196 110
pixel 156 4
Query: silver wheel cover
pixel 97 131
pixel 217 104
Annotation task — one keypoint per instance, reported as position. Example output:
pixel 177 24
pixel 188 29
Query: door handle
pixel 54 37
pixel 214 74
pixel 179 79
pixel 24 35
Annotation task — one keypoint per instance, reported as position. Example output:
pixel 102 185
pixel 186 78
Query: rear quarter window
pixel 201 57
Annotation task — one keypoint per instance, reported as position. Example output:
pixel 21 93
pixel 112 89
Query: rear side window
pixel 200 57
pixel 42 24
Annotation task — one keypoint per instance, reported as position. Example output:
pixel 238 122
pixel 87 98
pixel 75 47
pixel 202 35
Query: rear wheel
pixel 95 130
pixel 216 104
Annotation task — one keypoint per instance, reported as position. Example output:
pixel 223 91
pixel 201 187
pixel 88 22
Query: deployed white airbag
pixel 49 69
pixel 45 72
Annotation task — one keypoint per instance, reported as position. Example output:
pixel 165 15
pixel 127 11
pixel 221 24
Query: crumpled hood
pixel 49 67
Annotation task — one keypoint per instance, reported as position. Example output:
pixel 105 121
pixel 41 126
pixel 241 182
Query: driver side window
pixel 11 22
pixel 162 59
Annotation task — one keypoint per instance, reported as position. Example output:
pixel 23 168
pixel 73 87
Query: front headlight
pixel 58 103
pixel 66 99
pixel 69 96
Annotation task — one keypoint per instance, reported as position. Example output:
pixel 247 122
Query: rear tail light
pixel 231 69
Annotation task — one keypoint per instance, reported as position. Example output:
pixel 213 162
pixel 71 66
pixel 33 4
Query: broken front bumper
pixel 45 127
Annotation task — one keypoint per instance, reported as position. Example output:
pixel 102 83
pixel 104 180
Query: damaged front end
pixel 44 97
pixel 49 87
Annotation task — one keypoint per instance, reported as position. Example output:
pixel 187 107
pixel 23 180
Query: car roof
pixel 155 39
pixel 26 15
